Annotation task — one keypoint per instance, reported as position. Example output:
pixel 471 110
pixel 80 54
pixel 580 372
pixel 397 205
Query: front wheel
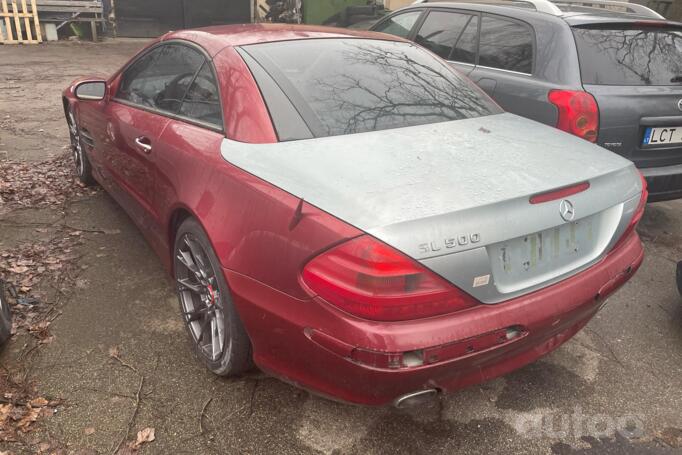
pixel 214 327
pixel 80 158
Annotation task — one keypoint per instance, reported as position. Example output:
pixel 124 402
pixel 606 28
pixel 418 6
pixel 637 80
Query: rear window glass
pixel 346 86
pixel 629 56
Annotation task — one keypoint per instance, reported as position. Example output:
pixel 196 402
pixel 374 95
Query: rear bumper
pixel 665 183
pixel 309 343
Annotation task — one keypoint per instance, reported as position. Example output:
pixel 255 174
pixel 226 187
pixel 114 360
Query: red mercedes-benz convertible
pixel 350 213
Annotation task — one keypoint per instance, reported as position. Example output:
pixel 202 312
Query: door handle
pixel 144 144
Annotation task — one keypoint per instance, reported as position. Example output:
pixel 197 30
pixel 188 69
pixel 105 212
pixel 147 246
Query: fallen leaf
pixel 671 436
pixel 5 410
pixel 47 340
pixel 114 352
pixel 143 436
pixel 39 402
pixel 28 418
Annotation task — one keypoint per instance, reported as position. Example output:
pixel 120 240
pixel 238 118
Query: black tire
pixel 202 309
pixel 5 316
pixel 80 157
pixel 679 277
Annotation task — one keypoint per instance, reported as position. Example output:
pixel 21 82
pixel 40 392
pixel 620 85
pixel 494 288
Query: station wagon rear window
pixel 629 55
pixel 346 86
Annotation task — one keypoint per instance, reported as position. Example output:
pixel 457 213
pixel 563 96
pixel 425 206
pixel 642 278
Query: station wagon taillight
pixel 578 113
pixel 369 279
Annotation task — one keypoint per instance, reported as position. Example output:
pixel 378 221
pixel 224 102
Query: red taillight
pixel 369 279
pixel 639 212
pixel 578 113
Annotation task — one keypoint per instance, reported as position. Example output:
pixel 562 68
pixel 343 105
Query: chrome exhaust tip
pixel 413 399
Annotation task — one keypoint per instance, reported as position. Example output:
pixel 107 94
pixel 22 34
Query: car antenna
pixel 298 215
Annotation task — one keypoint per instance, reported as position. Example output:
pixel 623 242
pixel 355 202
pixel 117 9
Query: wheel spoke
pixel 199 311
pixel 215 338
pixel 199 259
pixel 185 284
pixel 196 315
pixel 202 329
pixel 72 123
pixel 194 318
pixel 186 259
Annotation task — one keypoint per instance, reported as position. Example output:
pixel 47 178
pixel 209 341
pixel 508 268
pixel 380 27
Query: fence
pixel 19 25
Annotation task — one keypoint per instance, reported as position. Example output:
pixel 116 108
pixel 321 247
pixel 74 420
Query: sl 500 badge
pixel 449 243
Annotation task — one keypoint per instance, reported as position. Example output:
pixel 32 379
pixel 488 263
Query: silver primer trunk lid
pixel 451 194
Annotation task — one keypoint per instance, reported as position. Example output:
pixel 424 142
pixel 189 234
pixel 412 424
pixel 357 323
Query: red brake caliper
pixel 211 293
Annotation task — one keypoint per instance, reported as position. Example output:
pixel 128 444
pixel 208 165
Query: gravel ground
pixel 120 359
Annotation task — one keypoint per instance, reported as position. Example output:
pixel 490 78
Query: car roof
pixel 573 15
pixel 214 39
pixel 508 10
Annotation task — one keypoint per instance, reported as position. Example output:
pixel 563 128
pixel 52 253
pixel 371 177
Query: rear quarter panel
pixel 248 221
pixel 555 67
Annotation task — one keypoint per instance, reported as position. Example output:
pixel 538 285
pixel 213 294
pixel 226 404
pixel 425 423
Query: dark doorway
pixel 151 18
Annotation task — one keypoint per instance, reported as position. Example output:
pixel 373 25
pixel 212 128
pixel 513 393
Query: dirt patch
pixel 39 274
pixel 46 183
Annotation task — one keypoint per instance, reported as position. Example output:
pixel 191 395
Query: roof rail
pixel 629 7
pixel 550 7
pixel 542 6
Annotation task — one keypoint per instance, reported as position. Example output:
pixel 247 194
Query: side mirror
pixel 91 90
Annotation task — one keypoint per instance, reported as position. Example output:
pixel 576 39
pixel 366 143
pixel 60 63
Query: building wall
pixel 151 18
pixel 395 4
pixel 675 12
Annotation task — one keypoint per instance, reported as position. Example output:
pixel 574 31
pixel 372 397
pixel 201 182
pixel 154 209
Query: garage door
pixel 151 18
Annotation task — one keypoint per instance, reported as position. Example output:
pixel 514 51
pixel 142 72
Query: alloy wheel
pixel 76 146
pixel 201 301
